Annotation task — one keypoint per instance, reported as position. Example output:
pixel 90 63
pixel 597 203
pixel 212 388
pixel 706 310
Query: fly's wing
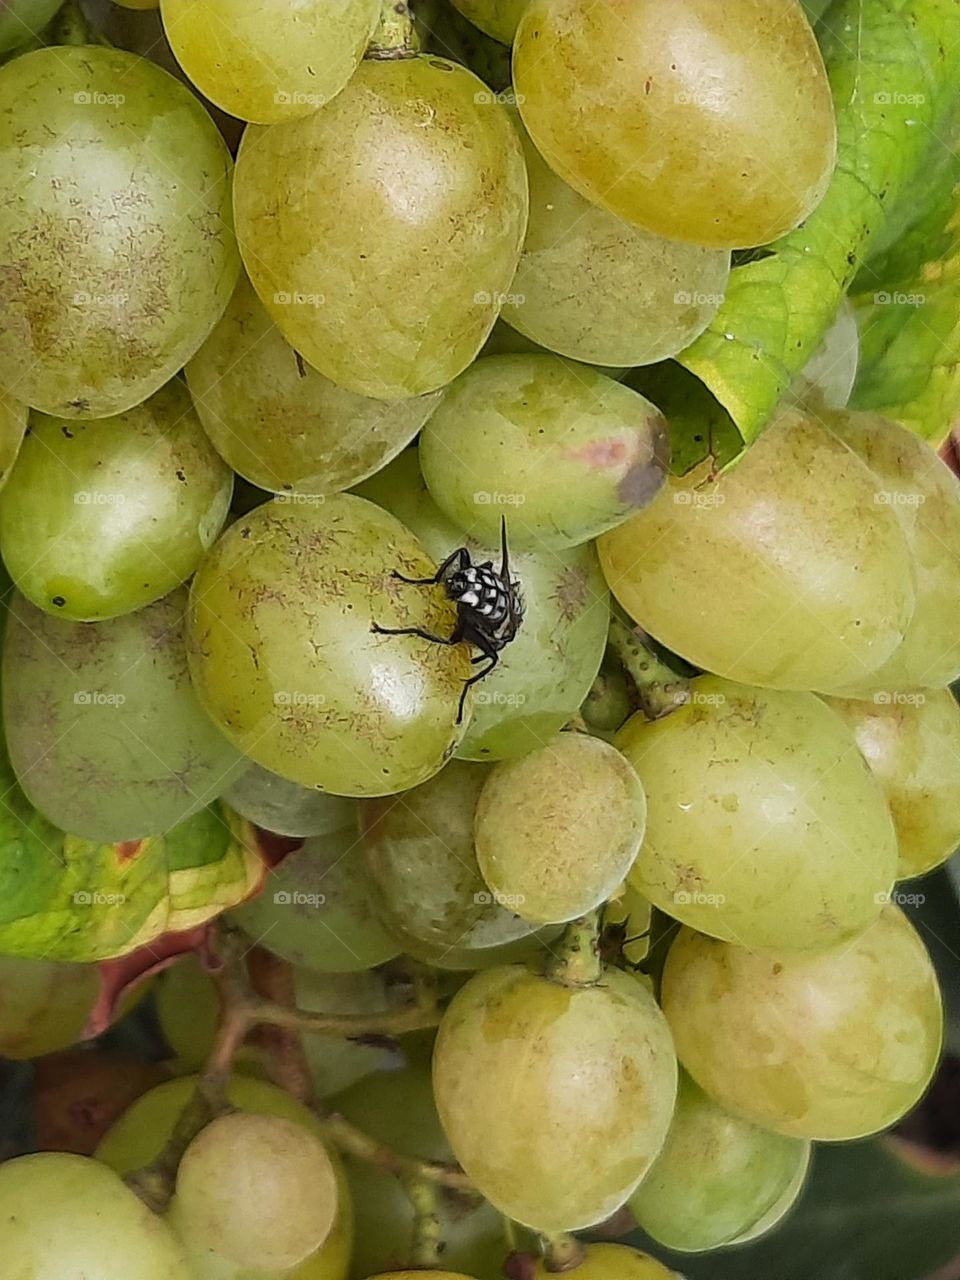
pixel 512 587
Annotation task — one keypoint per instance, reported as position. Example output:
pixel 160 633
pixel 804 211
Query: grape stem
pixel 71 26
pixel 659 689
pixel 577 962
pixel 395 37
pixel 427 1242
pixel 287 1062
pixel 354 1142
pixel 562 1252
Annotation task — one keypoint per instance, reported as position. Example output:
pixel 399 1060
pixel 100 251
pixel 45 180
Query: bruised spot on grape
pixel 127 850
pixel 598 455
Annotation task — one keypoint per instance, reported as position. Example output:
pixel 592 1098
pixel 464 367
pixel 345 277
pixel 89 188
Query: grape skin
pixel 23 20
pixel 498 18
pixel 612 1262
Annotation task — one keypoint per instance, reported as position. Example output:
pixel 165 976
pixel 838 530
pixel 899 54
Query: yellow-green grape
pixel 44 1005
pixel 562 451
pixel 558 830
pixel 765 826
pixel 498 18
pixel 104 730
pixel 118 219
pixel 782 571
pixel 13 427
pixel 64 1216
pixel 828 376
pixel 284 655
pixel 504 340
pixel 631 915
pixel 911 741
pixel 269 60
pixel 23 20
pixel 286 808
pixel 716 1177
pixel 546 672
pixel 555 1099
pixel 138 4
pixel 388 287
pixel 612 1262
pixel 138 1137
pixel 101 518
pixel 924 494
pixel 598 289
pixel 830 1047
pixel 424 873
pixel 316 908
pixel 702 122
pixel 279 423
pixel 397 1108
pixel 782 1206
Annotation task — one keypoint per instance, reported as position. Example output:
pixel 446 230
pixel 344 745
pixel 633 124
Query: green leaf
pixel 894 68
pixel 64 898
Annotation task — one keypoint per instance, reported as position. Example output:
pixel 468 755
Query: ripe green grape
pixel 716 1177
pixel 101 518
pixel 782 571
pixel 118 232
pixel 828 376
pixel 45 1005
pixel 424 873
pixel 703 122
pixel 765 826
pixel 23 20
pixel 612 1262
pixel 273 803
pixel 279 423
pixel 285 658
pixel 545 673
pixel 831 1046
pixel 558 830
pixel 382 232
pixel 257 1191
pixel 103 727
pixel 782 1206
pixel 924 495
pixel 64 1216
pixel 598 289
pixel 13 426
pixel 912 743
pixel 498 18
pixel 563 451
pixel 269 60
pixel 316 908
pixel 555 1099
pixel 504 340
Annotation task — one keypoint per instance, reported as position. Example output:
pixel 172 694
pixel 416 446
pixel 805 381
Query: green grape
pixel 547 671
pixel 765 827
pixel 558 830
pixel 101 518
pixel 104 729
pixel 138 4
pixel 702 122
pixel 781 571
pixel 507 341
pixel 389 288
pixel 828 376
pixel 781 1207
pixel 117 233
pixel 274 804
pixel 612 1262
pixel 912 743
pixel 498 18
pixel 44 1006
pixel 285 658
pixel 631 915
pixel 23 20
pixel 316 908
pixel 424 872
pixel 924 495
pixel 188 1010
pixel 564 452
pixel 279 423
pixel 597 289
pixel 13 427
pixel 716 1177
pixel 65 1217
pixel 138 1137
pixel 555 1099
pixel 397 1108
pixel 831 1047
pixel 269 60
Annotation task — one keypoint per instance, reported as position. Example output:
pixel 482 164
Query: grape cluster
pixel 618 945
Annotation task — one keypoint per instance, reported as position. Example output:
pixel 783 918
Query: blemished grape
pixel 104 730
pixel 558 830
pixel 546 672
pixel 258 1191
pixel 707 123
pixel 555 1099
pixel 781 571
pixel 119 220
pixel 387 285
pixel 424 873
pixel 316 908
pixel 273 803
pixel 912 744
pixel 828 376
pixel 612 1262
pixel 830 1047
pixel 765 825
pixel 924 495
pixel 717 1176
pixel 498 18
pixel 562 451
pixel 284 655
pixel 597 289
pixel 269 60
pixel 101 518
pixel 64 1216
pixel 279 423
pixel 23 20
